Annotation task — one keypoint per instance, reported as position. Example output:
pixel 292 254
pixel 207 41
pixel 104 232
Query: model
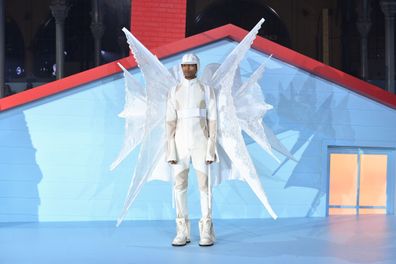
pixel 239 107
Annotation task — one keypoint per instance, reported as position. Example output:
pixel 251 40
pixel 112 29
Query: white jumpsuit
pixel 191 135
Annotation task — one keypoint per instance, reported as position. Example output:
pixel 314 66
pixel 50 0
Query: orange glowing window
pixel 357 184
pixel 373 180
pixel 343 180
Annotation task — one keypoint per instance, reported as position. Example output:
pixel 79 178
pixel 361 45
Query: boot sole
pixel 181 245
pixel 206 245
pixel 177 245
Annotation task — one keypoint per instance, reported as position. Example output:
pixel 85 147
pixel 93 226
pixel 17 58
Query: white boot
pixel 206 232
pixel 182 232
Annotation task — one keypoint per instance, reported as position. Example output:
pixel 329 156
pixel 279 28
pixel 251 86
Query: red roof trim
pixel 227 31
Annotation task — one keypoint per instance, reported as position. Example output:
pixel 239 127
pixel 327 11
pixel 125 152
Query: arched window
pixel 244 14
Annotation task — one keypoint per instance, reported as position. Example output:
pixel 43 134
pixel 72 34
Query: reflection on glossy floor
pixel 337 239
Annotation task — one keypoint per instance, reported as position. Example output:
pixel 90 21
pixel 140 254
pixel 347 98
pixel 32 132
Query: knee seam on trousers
pixel 184 182
pixel 202 181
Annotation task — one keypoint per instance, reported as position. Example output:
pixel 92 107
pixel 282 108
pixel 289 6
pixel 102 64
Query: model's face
pixel 189 71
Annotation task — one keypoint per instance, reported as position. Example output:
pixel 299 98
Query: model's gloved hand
pixel 209 162
pixel 172 162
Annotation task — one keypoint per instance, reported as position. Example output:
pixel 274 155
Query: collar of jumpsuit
pixel 190 81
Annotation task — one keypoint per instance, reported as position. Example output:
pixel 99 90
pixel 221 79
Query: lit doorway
pixel 360 181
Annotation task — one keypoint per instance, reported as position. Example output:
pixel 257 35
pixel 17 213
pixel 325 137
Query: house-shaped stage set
pixel 58 141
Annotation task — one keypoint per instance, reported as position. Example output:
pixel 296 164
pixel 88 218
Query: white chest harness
pixel 193 112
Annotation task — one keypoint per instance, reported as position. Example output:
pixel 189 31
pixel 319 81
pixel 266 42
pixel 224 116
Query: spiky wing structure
pixel 229 128
pixel 240 107
pixel 134 114
pixel 151 156
pixel 251 108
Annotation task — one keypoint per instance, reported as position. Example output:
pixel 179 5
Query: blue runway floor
pixel 341 239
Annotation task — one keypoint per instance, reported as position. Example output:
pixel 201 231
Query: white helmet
pixel 190 58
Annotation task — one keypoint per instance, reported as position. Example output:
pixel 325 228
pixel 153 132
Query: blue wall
pixel 55 153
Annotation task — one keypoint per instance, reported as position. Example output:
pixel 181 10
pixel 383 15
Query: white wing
pixel 229 129
pixel 251 107
pixel 134 113
pixel 231 141
pixel 158 82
